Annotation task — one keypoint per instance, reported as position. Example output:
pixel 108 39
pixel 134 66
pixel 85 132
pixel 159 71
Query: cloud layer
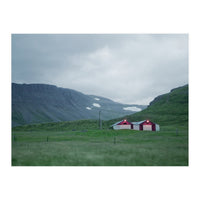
pixel 127 68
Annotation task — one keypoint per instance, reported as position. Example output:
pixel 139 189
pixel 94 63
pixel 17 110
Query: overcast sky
pixel 127 68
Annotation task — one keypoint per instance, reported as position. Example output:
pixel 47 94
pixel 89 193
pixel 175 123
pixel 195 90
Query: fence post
pixel 100 124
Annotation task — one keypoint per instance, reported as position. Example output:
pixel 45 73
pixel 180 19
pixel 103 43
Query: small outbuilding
pixel 124 124
pixel 145 125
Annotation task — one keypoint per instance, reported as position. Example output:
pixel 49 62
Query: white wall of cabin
pixel 136 127
pixel 147 127
pixel 157 127
pixel 117 127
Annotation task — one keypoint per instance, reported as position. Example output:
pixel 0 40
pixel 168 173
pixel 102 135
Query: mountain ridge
pixel 39 103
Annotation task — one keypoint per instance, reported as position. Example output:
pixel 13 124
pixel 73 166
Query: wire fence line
pixel 114 135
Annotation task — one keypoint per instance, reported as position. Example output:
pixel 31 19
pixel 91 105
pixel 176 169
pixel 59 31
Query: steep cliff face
pixel 37 103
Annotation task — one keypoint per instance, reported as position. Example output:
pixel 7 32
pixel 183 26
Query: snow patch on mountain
pixel 88 108
pixel 96 98
pixel 96 105
pixel 133 108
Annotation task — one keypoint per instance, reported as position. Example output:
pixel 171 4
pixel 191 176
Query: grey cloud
pixel 127 68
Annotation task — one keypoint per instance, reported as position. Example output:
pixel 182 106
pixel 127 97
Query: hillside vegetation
pixel 169 109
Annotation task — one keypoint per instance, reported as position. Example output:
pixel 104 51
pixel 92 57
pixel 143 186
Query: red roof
pixel 147 122
pixel 124 122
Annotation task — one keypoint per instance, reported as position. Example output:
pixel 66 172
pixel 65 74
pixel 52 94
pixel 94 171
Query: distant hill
pixel 166 109
pixel 39 103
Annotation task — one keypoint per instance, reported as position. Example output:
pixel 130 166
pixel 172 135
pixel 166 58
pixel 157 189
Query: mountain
pixel 39 103
pixel 166 109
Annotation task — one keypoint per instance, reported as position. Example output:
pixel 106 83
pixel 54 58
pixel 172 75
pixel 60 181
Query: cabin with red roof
pixel 146 125
pixel 124 124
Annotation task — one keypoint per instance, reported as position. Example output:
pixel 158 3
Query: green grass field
pixel 100 148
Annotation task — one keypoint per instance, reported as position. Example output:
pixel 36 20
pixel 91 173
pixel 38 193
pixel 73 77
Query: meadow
pixel 106 147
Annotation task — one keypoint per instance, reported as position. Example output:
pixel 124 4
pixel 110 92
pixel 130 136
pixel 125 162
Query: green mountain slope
pixel 167 109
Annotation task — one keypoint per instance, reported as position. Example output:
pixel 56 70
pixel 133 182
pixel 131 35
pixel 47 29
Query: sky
pixel 127 68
